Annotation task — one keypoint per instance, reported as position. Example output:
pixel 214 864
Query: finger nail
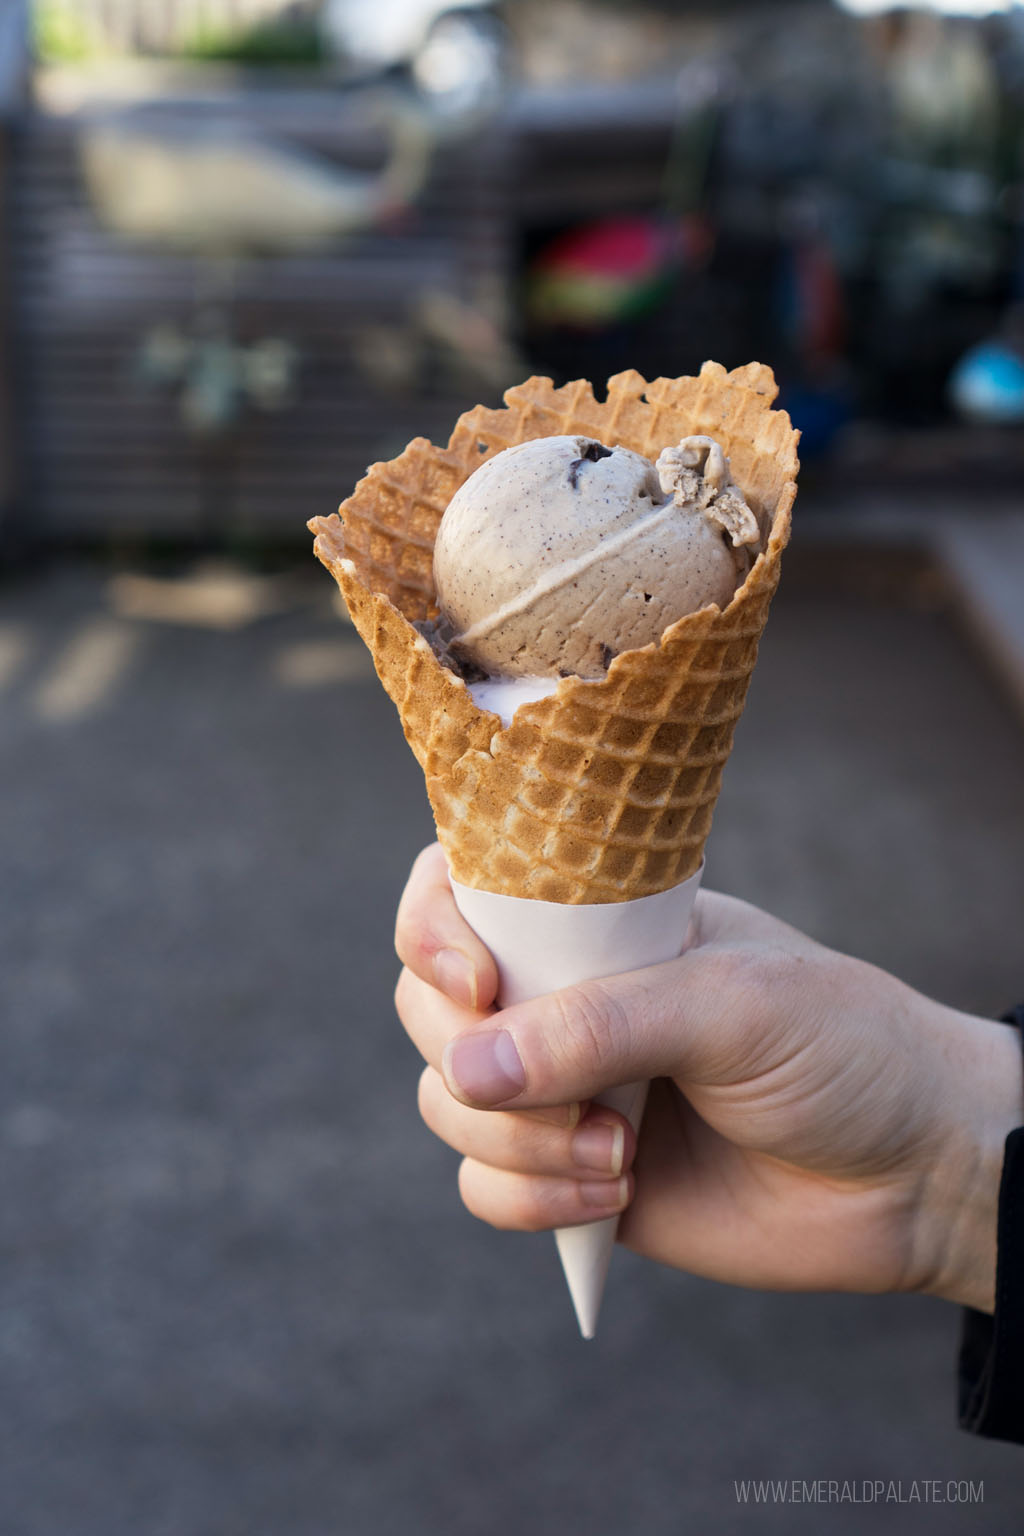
pixel 456 976
pixel 600 1147
pixel 486 1066
pixel 608 1195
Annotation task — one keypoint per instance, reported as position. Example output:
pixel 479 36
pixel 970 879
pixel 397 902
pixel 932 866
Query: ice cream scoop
pixel 559 553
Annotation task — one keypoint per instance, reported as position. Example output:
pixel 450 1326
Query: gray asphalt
pixel 239 1292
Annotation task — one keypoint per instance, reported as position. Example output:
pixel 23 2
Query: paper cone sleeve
pixel 604 791
pixel 539 947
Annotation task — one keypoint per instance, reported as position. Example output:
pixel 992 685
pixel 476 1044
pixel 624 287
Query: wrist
pixel 984 1101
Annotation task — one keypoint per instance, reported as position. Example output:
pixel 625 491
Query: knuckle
pixel 717 970
pixel 768 980
pixel 414 938
pixel 589 1023
pixel 529 1145
pixel 514 1209
pixel 741 980
pixel 414 941
pixel 551 1208
pixel 747 988
pixel 759 993
pixel 564 1117
pixel 532 1210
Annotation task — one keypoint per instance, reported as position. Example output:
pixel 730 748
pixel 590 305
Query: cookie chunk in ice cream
pixel 559 553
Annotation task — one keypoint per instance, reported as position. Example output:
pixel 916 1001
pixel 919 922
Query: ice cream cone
pixel 603 791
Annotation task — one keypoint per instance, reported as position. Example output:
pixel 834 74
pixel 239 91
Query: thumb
pixel 663 1021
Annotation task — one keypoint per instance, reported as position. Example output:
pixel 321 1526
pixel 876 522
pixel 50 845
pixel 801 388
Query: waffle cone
pixel 604 791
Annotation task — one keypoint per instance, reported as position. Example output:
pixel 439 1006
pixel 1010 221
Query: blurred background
pixel 248 247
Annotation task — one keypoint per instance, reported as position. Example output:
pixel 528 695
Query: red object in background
pixel 633 247
pixel 613 268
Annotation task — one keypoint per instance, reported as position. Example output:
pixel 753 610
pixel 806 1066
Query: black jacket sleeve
pixel 991 1364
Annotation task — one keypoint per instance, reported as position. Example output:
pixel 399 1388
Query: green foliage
pixel 271 43
pixel 61 35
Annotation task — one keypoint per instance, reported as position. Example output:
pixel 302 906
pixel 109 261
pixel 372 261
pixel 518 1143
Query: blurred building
pixel 252 246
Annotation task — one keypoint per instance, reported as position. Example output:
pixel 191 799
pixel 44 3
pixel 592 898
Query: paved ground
pixel 239 1294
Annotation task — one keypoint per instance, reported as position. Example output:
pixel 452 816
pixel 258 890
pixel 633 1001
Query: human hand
pixel 815 1124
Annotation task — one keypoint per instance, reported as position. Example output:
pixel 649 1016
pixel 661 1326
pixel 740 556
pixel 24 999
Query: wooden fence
pixel 106 454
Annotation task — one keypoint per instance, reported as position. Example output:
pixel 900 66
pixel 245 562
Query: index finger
pixel 434 940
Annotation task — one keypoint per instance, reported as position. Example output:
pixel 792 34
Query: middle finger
pixel 603 1144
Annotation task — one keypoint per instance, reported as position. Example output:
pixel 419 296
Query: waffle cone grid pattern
pixel 604 791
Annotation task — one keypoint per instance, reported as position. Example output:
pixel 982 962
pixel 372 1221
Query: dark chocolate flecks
pixel 439 635
pixel 590 455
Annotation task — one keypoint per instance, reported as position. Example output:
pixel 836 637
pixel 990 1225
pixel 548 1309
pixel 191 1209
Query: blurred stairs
pixel 983 559
pixel 978 556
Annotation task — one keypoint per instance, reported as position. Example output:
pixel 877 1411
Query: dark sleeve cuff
pixel 991 1364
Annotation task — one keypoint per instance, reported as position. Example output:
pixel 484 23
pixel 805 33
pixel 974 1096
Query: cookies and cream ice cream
pixel 559 553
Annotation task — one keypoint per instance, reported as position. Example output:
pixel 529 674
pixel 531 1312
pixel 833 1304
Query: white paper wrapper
pixel 538 947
